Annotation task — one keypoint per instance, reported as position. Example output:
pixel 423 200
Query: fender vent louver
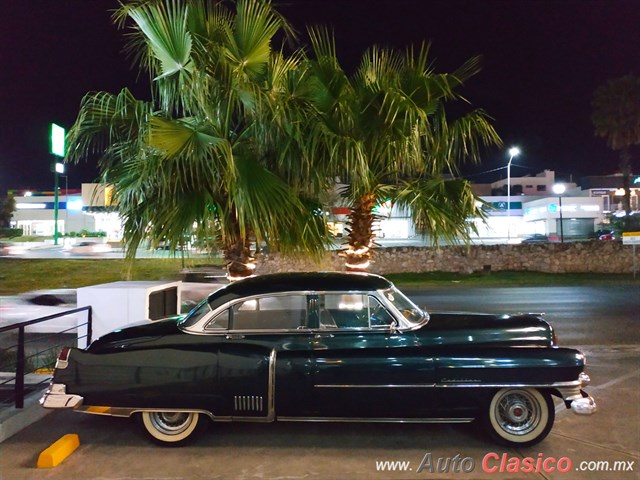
pixel 247 403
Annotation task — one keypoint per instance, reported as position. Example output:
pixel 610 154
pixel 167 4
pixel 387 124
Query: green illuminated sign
pixel 57 140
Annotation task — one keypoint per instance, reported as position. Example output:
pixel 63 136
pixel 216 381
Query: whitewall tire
pixel 520 416
pixel 170 427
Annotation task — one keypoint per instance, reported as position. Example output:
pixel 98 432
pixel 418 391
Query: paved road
pixel 604 321
pixel 586 315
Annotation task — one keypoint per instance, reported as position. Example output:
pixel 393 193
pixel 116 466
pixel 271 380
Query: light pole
pixel 513 152
pixel 58 170
pixel 57 149
pixel 559 189
pixel 66 201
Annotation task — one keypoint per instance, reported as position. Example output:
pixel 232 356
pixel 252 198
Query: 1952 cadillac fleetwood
pixel 325 347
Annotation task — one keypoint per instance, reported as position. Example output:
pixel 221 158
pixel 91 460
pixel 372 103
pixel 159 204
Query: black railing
pixel 21 355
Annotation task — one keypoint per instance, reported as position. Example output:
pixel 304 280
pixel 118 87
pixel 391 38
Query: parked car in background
pixel 536 238
pixel 605 234
pixel 41 303
pixel 89 248
pixel 325 347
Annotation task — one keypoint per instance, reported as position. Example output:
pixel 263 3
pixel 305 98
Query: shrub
pixel 10 232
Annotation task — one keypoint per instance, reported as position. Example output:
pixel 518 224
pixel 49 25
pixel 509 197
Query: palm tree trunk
pixel 237 253
pixel 625 167
pixel 240 261
pixel 360 220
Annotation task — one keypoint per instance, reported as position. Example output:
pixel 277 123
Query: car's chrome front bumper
pixel 57 397
pixel 577 399
pixel 584 406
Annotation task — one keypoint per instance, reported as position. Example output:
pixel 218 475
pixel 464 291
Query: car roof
pixel 304 281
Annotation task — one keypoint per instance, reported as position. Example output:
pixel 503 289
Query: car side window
pixel 276 312
pixel 352 311
pixel 219 322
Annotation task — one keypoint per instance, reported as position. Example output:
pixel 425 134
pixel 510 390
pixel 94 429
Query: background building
pixel 532 208
pixel 88 209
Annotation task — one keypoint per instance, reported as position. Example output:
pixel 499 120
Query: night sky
pixel 542 61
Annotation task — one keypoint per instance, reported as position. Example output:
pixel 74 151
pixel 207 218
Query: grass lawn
pixel 23 275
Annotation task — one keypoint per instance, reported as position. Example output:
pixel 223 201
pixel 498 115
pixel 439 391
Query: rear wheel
pixel 520 416
pixel 171 428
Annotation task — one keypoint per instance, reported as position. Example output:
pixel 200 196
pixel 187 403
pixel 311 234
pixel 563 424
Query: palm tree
pixel 616 117
pixel 388 135
pixel 216 149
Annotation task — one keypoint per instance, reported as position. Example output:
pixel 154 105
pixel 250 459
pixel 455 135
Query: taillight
pixel 63 358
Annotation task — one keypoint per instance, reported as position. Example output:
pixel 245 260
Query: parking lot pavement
pixel 586 447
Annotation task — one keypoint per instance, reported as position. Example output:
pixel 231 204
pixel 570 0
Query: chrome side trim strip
pixel 271 388
pixel 519 385
pixel 128 411
pixel 375 420
pixel 574 383
pixel 430 385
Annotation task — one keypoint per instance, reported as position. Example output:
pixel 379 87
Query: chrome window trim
pixel 199 328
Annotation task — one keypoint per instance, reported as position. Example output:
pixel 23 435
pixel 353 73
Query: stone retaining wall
pixel 583 257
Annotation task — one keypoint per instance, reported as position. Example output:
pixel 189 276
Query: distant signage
pixel 503 206
pixel 631 238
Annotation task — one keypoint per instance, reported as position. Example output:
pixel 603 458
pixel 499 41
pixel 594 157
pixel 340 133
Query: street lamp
pixel 513 152
pixel 559 189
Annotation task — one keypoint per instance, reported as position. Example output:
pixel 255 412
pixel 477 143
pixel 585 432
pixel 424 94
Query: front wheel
pixel 520 416
pixel 172 428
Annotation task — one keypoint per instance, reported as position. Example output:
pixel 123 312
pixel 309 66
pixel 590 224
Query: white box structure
pixel 117 304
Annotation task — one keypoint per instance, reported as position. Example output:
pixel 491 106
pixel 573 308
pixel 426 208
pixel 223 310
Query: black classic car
pixel 325 347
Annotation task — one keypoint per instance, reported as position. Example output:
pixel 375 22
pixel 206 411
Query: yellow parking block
pixel 60 450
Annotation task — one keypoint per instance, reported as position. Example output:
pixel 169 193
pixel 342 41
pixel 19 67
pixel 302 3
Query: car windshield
pixel 412 313
pixel 196 313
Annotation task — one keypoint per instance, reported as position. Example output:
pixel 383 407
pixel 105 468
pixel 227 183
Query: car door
pixel 264 359
pixel 363 367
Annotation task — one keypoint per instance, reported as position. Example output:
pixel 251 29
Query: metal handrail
pixel 20 353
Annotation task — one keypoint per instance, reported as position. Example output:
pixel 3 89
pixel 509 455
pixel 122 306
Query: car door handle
pixel 236 336
pixel 324 335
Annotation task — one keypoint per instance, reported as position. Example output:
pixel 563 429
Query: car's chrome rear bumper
pixel 57 397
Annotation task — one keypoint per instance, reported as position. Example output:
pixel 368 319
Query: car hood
pixel 476 328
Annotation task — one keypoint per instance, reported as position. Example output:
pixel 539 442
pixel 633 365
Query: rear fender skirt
pixel 128 411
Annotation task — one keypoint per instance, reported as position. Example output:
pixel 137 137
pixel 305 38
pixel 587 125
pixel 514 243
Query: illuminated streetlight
pixel 559 189
pixel 513 152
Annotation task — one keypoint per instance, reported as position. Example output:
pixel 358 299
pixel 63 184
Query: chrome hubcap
pixel 170 423
pixel 518 413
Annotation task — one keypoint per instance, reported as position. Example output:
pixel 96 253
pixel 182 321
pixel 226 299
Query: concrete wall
pixel 582 257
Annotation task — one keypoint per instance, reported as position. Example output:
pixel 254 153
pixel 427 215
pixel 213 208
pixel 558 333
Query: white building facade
pixel 88 210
